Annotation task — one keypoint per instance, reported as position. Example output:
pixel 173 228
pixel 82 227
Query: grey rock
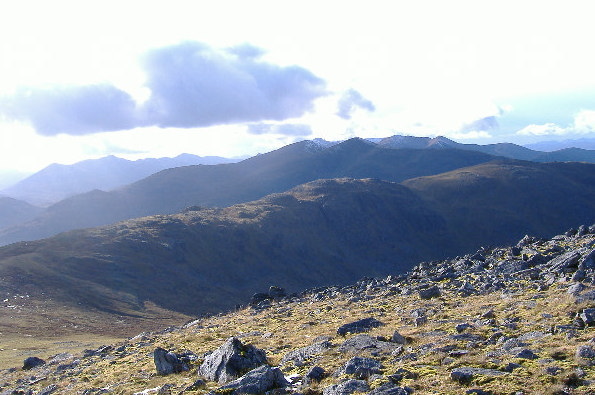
pixel 587 316
pixel 198 384
pixel 389 389
pixel 585 355
pixel 429 293
pixel 466 375
pixel 361 368
pixel 565 263
pixel 576 289
pixel 360 343
pixel 48 390
pixel 511 366
pixel 347 387
pixel 478 391
pixel 315 374
pixel 277 293
pixel 300 355
pixel 258 297
pixel 256 381
pixel 168 362
pixel 526 354
pixel 359 326
pixel 398 338
pixel 230 361
pixel 32 362
pixel 462 327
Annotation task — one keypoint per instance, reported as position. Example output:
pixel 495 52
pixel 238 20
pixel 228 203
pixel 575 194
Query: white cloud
pixel 584 121
pixel 542 130
pixel 472 135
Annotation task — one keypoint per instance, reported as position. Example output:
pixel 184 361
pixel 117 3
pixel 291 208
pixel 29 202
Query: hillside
pixel 57 182
pixel 13 211
pixel 507 320
pixel 503 200
pixel 172 190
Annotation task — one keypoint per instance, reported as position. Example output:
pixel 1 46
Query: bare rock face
pixel 168 362
pixel 230 361
pixel 257 381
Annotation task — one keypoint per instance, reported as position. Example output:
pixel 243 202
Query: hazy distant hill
pixel 507 150
pixel 57 182
pixel 14 211
pixel 321 233
pixel 584 143
pixel 172 190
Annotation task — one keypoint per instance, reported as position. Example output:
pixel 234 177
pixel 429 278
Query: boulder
pixel 359 326
pixel 32 362
pixel 390 389
pixel 231 361
pixel 314 375
pixel 429 293
pixel 168 362
pixel 299 356
pixel 585 355
pixel 361 368
pixel 347 387
pixel 277 293
pixel 256 381
pixel 398 338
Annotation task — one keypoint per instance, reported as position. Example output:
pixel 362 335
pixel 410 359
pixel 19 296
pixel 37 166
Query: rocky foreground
pixel 514 320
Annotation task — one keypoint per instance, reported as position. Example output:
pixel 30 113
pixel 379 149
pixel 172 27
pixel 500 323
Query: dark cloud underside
pixel 350 101
pixel 191 84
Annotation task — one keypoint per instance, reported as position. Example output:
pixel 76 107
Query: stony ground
pixel 514 320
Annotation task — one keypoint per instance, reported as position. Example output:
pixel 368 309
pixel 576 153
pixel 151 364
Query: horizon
pixel 215 81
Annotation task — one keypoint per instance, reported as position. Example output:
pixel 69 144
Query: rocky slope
pixel 506 320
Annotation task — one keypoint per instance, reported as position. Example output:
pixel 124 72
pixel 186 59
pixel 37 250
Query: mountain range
pixel 57 182
pixel 319 233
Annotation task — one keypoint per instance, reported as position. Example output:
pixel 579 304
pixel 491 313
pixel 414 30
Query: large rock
pixel 390 389
pixel 230 361
pixel 359 326
pixel 168 362
pixel 346 388
pixel 585 355
pixel 256 381
pixel 361 368
pixel 429 293
pixel 32 362
pixel 300 355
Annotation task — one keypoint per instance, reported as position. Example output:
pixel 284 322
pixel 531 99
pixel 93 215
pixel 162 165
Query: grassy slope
pixel 293 324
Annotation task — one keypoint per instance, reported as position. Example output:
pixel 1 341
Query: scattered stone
pixel 198 384
pixel 526 354
pixel 258 298
pixel 361 368
pixel 32 362
pixel 488 314
pixel 256 381
pixel 462 327
pixel 168 362
pixel 477 391
pixel 359 326
pixel 276 293
pixel 314 375
pixel 231 361
pixel 429 293
pixel 48 390
pixel 347 387
pixel 587 317
pixel 511 366
pixel 360 343
pixel 585 355
pixel 576 289
pixel 390 389
pixel 466 375
pixel 299 356
pixel 398 338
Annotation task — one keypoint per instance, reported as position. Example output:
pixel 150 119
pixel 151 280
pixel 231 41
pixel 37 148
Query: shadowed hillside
pixel 172 190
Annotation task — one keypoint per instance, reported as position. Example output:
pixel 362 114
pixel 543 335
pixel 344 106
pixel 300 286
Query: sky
pixel 135 79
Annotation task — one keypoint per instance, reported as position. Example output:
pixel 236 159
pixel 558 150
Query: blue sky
pixel 148 79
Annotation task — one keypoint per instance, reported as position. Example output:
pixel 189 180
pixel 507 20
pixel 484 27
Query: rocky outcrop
pixel 231 361
pixel 257 381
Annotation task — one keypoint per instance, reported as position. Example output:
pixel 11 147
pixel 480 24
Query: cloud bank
pixel 190 84
pixel 583 123
pixel 350 101
pixel 296 130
